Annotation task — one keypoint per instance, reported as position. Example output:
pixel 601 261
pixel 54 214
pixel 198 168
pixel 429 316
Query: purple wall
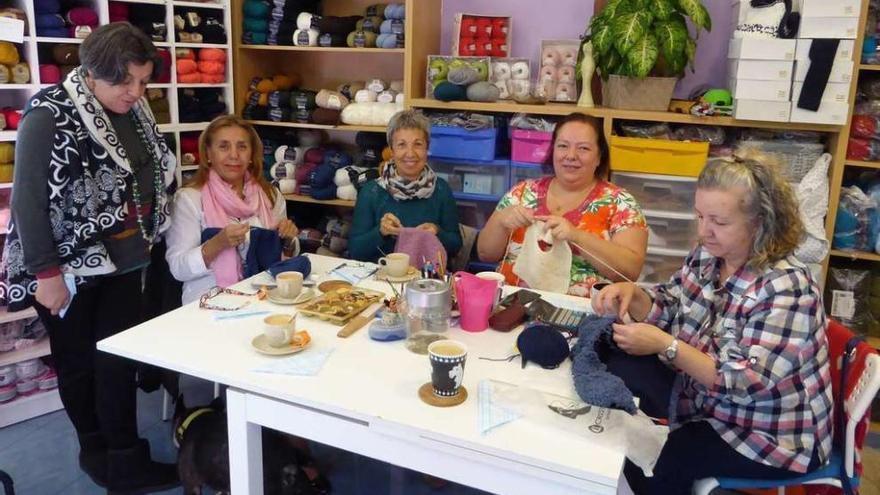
pixel 567 19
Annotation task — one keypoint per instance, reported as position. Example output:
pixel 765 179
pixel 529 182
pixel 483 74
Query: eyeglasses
pixel 216 291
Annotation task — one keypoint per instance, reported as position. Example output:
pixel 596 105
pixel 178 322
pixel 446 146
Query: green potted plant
pixel 642 47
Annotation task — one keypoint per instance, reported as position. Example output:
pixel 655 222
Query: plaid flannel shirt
pixel 771 399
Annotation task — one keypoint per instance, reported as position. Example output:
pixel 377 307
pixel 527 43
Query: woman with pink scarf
pixel 230 193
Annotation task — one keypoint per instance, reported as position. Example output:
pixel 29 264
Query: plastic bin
pixel 658 156
pixel 670 230
pixel 530 146
pixel 796 158
pixel 659 192
pixel 461 144
pixel 520 171
pixel 469 179
pixel 660 264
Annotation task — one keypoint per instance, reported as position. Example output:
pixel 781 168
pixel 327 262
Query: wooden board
pixel 328 306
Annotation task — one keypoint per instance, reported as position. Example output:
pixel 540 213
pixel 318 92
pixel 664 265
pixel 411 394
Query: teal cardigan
pixel 365 240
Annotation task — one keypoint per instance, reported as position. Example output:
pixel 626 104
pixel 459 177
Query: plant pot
pixel 651 93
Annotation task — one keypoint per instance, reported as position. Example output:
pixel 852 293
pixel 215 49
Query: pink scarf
pixel 221 204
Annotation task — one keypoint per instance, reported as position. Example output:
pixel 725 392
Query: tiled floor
pixel 41 456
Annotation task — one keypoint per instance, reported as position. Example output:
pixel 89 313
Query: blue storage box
pixel 520 171
pixel 473 179
pixel 458 143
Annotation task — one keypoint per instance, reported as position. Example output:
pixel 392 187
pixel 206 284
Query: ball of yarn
pixel 8 53
pixel 542 345
pixel 349 90
pixel 254 9
pixel 376 85
pixel 5 74
pixel 287 186
pixel 13 117
pixel 325 116
pixel 49 74
pixel 304 21
pixel 483 91
pixel 265 86
pixel 341 178
pixel 361 39
pixel 447 91
pixel 333 100
pixel 7 153
pixel 210 67
pixel 314 155
pixel 369 24
pixel 305 37
pixel 386 96
pixel 386 40
pixel 348 192
pixel 463 76
pixel 186 66
pixel 365 96
pixel 285 82
pixel 82 16
pixel 213 54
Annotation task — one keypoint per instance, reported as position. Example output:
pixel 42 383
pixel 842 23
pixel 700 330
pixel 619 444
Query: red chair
pixel 852 395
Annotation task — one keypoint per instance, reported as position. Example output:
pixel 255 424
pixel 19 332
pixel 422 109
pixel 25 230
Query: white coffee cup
pixel 598 286
pixel 290 284
pixel 497 277
pixel 396 264
pixel 279 329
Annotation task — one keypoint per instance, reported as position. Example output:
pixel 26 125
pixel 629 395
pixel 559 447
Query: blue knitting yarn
pixel 593 383
pixel 326 192
pixel 542 345
pixel 338 159
pixel 256 25
pixel 386 40
pixel 256 9
pixel 323 176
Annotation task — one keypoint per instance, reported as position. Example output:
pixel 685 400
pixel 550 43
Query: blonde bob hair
pixel 769 201
pixel 255 167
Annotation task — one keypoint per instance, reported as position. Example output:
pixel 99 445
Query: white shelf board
pixel 202 85
pixel 37 350
pixel 48 39
pixel 17 86
pixel 203 45
pixel 162 44
pixel 5 185
pixel 201 5
pixel 31 406
pixel 153 2
pixel 6 317
pixel 8 135
pixel 159 85
pixel 187 127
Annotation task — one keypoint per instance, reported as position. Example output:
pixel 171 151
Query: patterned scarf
pixel 403 189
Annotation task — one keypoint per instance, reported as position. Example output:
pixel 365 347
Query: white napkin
pixel 306 363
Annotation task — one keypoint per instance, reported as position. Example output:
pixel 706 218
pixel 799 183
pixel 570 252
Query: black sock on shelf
pixel 822 52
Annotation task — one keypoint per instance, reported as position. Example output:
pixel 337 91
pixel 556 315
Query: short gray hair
pixel 106 53
pixel 409 119
pixel 769 200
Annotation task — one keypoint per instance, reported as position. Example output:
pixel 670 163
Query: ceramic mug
pixel 497 277
pixel 396 264
pixel 289 284
pixel 594 291
pixel 279 329
pixel 447 367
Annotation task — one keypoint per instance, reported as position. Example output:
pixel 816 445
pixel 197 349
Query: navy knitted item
pixel 594 384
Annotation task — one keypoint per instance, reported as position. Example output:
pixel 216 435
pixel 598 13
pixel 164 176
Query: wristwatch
pixel 670 352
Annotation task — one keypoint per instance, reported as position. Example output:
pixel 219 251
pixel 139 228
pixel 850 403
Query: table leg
pixel 245 447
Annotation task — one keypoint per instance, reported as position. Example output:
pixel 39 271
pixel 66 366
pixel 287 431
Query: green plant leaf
pixel 643 55
pixel 690 48
pixel 617 7
pixel 663 9
pixel 673 35
pixel 601 34
pixel 628 29
pixel 697 12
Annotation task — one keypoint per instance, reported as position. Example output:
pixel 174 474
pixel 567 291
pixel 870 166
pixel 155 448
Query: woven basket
pixel 796 158
pixel 650 93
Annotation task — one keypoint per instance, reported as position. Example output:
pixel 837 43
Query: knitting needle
pixel 600 260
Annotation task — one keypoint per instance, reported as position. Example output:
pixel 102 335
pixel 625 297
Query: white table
pixel 365 400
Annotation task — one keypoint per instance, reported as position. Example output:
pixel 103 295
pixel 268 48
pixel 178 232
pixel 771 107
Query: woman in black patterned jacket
pixel 93 178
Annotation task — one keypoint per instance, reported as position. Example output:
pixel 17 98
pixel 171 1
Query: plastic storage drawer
pixel 461 144
pixel 522 171
pixel 530 146
pixel 660 264
pixel 659 192
pixel 481 181
pixel 658 156
pixel 671 230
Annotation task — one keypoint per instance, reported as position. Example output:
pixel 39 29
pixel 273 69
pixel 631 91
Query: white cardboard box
pixel 764 70
pixel 830 112
pixel 841 71
pixel 761 49
pixel 771 111
pixel 755 89
pixel 837 92
pixel 829 8
pixel 829 27
pixel 844 49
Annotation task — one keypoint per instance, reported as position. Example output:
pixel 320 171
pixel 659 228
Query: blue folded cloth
pixel 593 383
pixel 47 6
pixel 264 253
pixel 49 21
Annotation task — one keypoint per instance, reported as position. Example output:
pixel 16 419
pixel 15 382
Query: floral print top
pixel 607 210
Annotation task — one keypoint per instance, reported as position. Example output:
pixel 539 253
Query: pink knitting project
pixel 420 245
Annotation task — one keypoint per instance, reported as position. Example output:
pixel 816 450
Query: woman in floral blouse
pixel 741 333
pixel 577 204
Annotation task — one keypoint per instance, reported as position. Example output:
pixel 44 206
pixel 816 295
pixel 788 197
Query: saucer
pixel 304 296
pixel 330 285
pixel 260 344
pixel 411 274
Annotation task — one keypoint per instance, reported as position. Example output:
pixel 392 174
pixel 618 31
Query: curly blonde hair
pixel 769 200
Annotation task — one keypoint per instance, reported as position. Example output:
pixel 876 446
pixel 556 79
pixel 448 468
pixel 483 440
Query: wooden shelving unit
pixel 300 198
pixel 862 164
pixel 340 127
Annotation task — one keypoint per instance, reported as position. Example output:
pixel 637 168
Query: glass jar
pixel 426 308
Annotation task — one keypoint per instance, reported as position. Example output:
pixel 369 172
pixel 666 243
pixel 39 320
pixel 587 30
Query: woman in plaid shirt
pixel 740 331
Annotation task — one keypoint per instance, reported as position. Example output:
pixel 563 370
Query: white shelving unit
pixel 16 95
